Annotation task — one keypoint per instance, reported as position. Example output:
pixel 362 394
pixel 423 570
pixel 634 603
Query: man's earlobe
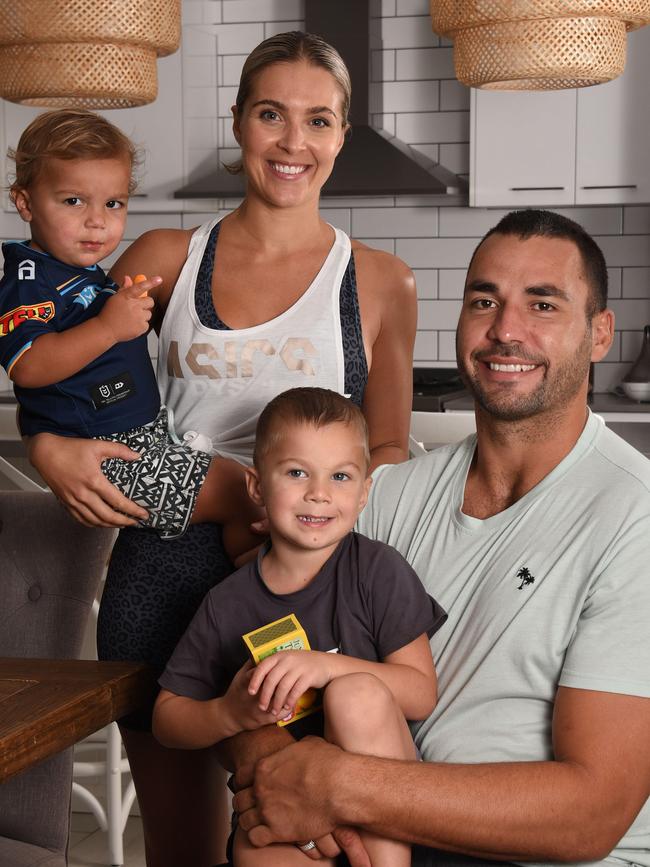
pixel 602 327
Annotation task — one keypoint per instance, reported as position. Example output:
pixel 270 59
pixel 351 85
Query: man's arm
pixel 575 808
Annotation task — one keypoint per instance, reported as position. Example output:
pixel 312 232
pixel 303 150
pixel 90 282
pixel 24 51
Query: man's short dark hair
pixel 531 223
pixel 317 407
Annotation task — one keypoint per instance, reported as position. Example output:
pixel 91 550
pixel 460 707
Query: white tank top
pixel 217 382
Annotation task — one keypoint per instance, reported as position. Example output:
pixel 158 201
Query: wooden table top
pixel 48 705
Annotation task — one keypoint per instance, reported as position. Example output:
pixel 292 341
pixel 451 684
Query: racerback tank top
pixel 218 381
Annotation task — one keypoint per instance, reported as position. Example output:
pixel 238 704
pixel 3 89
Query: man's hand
pixel 280 679
pixel 126 315
pixel 284 797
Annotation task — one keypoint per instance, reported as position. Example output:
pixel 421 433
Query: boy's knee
pixel 357 699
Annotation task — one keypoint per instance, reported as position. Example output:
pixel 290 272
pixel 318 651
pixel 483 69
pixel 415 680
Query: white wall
pixel 417 97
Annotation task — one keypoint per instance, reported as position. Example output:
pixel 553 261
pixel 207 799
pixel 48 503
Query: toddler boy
pixel 75 345
pixel 364 610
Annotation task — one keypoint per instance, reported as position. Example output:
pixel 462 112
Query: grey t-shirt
pixel 553 591
pixel 366 602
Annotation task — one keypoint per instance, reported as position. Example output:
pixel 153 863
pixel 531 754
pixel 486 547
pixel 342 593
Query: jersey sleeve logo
pixel 27 270
pixel 42 312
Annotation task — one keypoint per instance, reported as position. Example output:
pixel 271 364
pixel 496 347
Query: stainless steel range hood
pixel 372 163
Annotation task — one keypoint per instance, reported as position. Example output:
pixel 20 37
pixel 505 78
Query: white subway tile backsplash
pixel 614 353
pixel 212 12
pixel 431 127
pixel 408 32
pixel 226 99
pixel 386 244
pixel 631 342
pixel 608 375
pixel 439 315
pixel 636 220
pixel 11 226
pixel 200 102
pixel 614 282
pixel 200 71
pixel 239 38
pixel 232 66
pixel 454 96
pixel 273 27
pixel 451 282
pixel 201 132
pixel 455 157
pixel 435 252
pixel 192 12
pixel 382 66
pixel 262 10
pixel 339 217
pixel 631 314
pixel 431 151
pixel 468 222
pixel 447 346
pixel 426 347
pixel 200 40
pixel 385 122
pixel 412 7
pixel 426 280
pixel 405 223
pixel 357 202
pixel 596 221
pixel 403 96
pixel 138 224
pixel 636 283
pixel 428 63
pixel 622 250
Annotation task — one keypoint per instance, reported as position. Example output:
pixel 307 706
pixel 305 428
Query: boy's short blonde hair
pixel 317 407
pixel 68 134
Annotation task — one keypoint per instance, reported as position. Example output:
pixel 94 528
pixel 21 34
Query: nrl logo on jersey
pixel 43 312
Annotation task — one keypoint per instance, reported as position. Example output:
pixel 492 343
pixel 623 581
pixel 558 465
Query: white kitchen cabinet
pixel 157 128
pixel 522 148
pixel 584 146
pixel 613 132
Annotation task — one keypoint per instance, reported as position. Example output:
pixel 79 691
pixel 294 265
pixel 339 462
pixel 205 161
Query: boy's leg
pixel 362 716
pixel 276 855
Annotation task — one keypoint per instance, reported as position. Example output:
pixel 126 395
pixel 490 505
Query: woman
pixel 303 306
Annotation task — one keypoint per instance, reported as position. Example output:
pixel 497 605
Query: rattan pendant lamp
pixel 538 44
pixel 93 54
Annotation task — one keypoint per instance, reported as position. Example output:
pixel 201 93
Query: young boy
pixel 365 613
pixel 75 345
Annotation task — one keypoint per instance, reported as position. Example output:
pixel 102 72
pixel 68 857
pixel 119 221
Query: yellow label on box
pixel 283 634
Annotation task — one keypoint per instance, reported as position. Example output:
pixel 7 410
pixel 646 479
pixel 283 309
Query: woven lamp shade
pixel 538 44
pixel 93 54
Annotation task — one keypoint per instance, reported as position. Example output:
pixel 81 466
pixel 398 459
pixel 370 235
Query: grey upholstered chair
pixel 51 567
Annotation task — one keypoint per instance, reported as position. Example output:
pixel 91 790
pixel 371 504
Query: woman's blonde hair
pixel 291 47
pixel 68 134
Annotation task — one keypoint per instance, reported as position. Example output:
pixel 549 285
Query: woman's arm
pixel 388 307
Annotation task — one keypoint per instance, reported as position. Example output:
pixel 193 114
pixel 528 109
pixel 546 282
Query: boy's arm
pixel 56 355
pixel 188 723
pixel 280 679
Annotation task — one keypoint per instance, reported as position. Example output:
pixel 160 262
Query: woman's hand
pixel 72 469
pixel 280 679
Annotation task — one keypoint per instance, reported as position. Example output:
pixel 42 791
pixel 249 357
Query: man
pixel 536 540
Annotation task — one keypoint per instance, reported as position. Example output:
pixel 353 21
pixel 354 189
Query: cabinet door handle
pixel 533 189
pixel 610 187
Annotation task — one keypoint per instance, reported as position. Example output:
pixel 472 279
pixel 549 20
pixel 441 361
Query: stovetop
pixel 433 386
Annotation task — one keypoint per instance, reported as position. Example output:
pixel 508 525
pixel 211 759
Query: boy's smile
pixel 77 208
pixel 313 482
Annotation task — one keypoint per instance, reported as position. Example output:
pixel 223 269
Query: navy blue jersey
pixel 115 392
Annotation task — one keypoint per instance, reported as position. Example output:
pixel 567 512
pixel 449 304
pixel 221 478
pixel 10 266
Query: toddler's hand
pixel 280 679
pixel 127 313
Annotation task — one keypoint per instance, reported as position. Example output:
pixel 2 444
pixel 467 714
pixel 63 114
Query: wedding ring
pixel 307 847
